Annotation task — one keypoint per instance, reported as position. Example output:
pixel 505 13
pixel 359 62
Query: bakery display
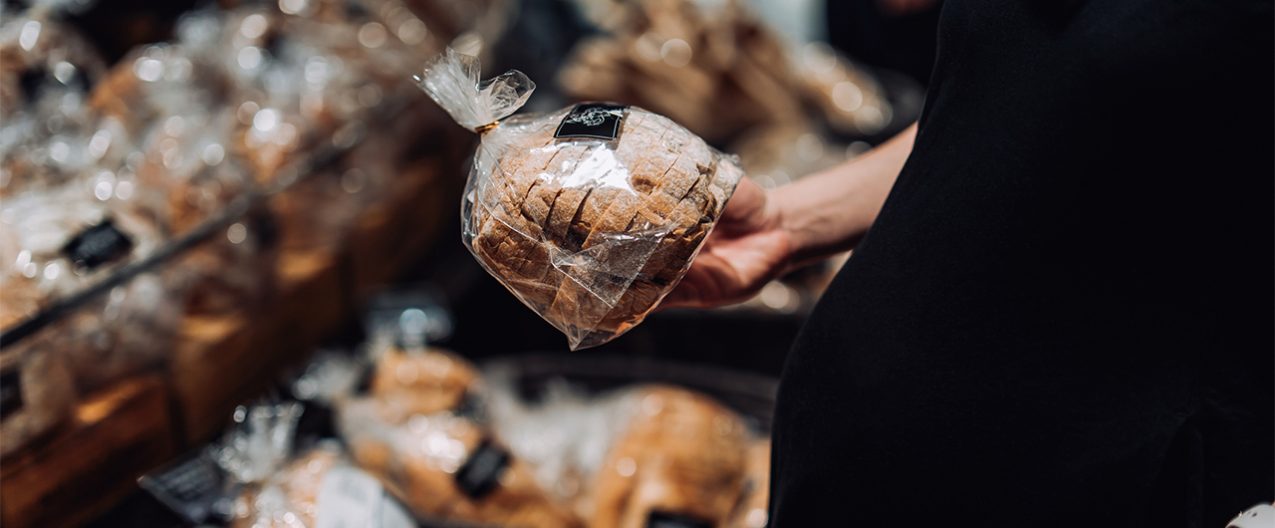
pixel 183 221
pixel 719 70
pixel 58 241
pixel 589 215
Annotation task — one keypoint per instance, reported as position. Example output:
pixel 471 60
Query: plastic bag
pixel 317 488
pixel 589 215
pixel 680 462
pixel 423 379
pixel 447 466
pixel 649 455
pixel 564 433
pixel 58 242
pixel 36 393
pixel 46 72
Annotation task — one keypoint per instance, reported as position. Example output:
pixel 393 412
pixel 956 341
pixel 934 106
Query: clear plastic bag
pixel 589 215
pixel 277 488
pixel 46 72
pixel 681 461
pixel 446 466
pixel 36 392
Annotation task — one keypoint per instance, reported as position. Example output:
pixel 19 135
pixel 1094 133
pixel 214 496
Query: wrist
pixel 820 218
pixel 797 219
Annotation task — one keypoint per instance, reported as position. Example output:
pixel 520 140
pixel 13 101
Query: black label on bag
pixel 592 120
pixel 194 488
pixel 659 519
pixel 481 472
pixel 471 407
pixel 97 245
pixel 10 392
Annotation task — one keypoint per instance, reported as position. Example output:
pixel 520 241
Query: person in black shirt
pixel 1059 309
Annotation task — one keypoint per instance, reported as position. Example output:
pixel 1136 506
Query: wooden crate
pixel 389 237
pixel 221 361
pixel 225 360
pixel 87 466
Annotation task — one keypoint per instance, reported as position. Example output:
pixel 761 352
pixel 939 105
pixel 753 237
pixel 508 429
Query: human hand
pixel 748 248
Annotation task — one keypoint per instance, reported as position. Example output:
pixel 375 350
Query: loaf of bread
pixel 682 458
pixel 446 466
pixel 36 392
pixel 41 61
pixel 290 497
pixel 122 332
pixel 589 215
pixel 60 242
pixel 46 71
pixel 55 242
pixel 427 381
pixel 752 509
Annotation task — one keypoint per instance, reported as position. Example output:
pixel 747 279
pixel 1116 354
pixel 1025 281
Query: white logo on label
pixel 594 116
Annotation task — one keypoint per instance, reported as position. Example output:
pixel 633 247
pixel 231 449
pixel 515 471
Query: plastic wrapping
pixel 444 465
pixel 306 74
pixel 64 240
pixel 636 456
pixel 565 435
pixel 589 215
pixel 752 510
pixel 36 393
pixel 129 329
pixel 46 71
pixel 56 242
pixel 318 488
pixel 422 379
pixel 681 458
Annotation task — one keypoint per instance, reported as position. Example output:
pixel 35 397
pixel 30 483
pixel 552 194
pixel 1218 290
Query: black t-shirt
pixel 1063 314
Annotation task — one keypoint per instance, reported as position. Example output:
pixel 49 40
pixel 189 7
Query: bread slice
pixel 592 233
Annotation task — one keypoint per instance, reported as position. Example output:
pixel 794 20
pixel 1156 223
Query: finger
pixel 684 295
pixel 746 201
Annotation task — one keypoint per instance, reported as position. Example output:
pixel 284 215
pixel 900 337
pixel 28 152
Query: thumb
pixel 686 294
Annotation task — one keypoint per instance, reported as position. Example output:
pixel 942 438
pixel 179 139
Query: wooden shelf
pixel 92 462
pixel 86 466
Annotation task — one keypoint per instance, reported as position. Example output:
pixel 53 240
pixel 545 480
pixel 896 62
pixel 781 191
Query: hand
pixel 761 234
pixel 748 248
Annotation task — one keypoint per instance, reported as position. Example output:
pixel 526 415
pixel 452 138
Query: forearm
pixel 830 211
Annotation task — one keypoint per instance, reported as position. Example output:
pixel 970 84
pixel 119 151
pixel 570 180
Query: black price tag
pixel 592 120
pixel 481 472
pixel 194 488
pixel 97 245
pixel 10 391
pixel 659 519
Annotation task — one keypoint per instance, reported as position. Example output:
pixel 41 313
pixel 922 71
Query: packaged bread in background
pixel 36 392
pixel 564 432
pixel 422 379
pixel 719 70
pixel 306 71
pixel 163 134
pixel 46 72
pixel 445 466
pixel 59 241
pixel 681 459
pixel 63 241
pixel 752 510
pixel 277 488
pixel 129 329
pixel 589 215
